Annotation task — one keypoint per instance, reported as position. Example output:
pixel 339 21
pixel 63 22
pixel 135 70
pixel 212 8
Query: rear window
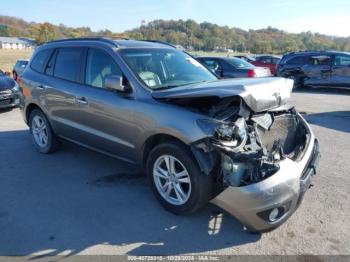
pixel 68 63
pixel 238 63
pixel 39 61
pixel 264 59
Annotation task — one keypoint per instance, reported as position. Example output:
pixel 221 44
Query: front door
pixel 105 117
pixel 340 70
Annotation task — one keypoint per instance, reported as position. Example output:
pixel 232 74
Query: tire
pixel 43 137
pixel 298 81
pixel 198 192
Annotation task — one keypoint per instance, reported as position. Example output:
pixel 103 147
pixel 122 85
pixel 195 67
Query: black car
pixel 8 91
pixel 320 68
pixel 232 67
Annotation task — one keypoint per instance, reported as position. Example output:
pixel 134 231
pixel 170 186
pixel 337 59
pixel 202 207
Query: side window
pixel 298 60
pixel 51 64
pixel 320 60
pixel 67 64
pixel 40 59
pixel 342 60
pixel 99 65
pixel 212 64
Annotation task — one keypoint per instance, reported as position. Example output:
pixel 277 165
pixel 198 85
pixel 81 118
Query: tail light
pixel 251 73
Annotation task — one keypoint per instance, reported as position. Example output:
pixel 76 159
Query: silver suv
pixel 236 143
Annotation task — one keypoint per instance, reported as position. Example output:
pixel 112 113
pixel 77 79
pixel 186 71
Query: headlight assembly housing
pixel 231 135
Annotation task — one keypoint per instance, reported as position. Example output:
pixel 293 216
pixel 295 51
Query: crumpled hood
pixel 6 82
pixel 260 94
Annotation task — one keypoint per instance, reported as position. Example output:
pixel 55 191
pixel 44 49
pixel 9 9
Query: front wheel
pixel 176 179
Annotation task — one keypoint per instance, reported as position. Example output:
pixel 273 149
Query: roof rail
pixel 98 38
pixel 160 42
pixel 305 51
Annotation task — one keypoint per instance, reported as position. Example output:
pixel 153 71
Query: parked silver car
pixel 236 143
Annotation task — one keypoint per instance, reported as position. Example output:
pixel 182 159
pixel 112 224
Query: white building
pixel 16 43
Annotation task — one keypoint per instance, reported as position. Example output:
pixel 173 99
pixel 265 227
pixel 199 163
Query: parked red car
pixel 267 61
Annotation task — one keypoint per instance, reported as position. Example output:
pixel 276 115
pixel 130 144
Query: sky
pixel 330 17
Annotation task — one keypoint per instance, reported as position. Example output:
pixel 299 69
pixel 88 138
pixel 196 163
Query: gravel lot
pixel 79 202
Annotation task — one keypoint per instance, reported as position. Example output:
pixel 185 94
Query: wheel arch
pixel 29 109
pixel 205 160
pixel 155 140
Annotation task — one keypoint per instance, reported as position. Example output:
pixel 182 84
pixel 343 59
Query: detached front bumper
pixel 280 193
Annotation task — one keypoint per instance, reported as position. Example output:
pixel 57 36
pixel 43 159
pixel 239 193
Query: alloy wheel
pixel 40 131
pixel 172 180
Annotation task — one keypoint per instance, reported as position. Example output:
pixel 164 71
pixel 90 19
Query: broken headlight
pixel 232 135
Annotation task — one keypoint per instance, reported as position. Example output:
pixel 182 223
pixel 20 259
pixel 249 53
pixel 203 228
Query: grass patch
pixel 8 57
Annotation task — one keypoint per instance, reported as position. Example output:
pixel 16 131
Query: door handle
pixel 81 101
pixel 41 87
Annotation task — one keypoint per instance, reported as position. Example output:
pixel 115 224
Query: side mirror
pixel 115 82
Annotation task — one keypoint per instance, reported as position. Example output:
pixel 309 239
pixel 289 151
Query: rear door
pixel 63 83
pixel 318 70
pixel 340 70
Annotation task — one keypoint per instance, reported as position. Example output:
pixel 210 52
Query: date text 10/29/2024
pixel 174 258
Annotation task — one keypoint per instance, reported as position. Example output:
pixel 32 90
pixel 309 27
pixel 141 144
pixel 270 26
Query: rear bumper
pixel 283 191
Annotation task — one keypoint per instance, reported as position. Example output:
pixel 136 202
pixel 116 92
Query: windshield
pixel 239 63
pixel 165 68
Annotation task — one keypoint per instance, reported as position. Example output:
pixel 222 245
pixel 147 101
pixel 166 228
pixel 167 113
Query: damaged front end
pixel 259 150
pixel 250 146
pixel 258 160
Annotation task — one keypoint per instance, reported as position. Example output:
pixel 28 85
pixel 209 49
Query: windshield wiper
pixel 173 86
pixel 166 87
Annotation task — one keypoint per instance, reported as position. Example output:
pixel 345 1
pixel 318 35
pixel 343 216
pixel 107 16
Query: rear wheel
pixel 176 179
pixel 43 137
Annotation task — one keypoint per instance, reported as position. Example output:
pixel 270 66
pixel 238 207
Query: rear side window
pixel 298 60
pixel 320 60
pixel 39 61
pixel 68 63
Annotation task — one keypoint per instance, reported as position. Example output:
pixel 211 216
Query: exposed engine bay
pixel 245 147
